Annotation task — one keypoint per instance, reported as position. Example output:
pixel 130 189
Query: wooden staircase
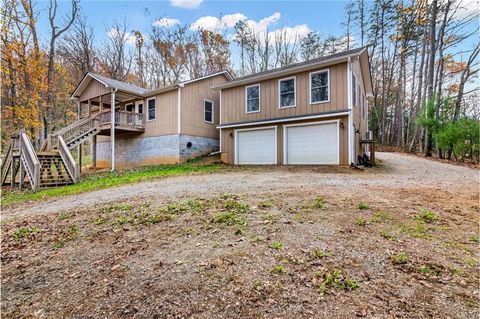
pixel 53 164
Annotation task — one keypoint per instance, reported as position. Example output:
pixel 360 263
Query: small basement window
pixel 286 89
pixel 319 87
pixel 253 98
pixel 208 111
pixel 151 109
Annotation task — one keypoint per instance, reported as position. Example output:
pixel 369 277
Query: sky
pixel 298 17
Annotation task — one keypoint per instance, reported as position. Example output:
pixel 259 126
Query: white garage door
pixel 256 146
pixel 312 144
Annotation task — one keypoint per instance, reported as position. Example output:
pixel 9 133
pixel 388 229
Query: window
pixel 319 87
pixel 129 107
pixel 140 108
pixel 208 111
pixel 151 109
pixel 253 98
pixel 354 91
pixel 286 89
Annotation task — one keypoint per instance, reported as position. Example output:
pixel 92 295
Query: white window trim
pixel 310 86
pixel 137 104
pixel 132 104
pixel 148 113
pixel 235 149
pixel 213 112
pixel 259 98
pixel 285 146
pixel 294 93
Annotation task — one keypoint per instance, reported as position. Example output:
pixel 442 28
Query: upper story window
pixel 151 109
pixel 253 98
pixel 129 107
pixel 140 108
pixel 286 90
pixel 354 90
pixel 208 111
pixel 319 87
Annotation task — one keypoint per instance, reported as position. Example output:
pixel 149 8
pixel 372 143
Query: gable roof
pixel 294 68
pixel 133 89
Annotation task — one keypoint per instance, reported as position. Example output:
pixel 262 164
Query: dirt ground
pixel 400 241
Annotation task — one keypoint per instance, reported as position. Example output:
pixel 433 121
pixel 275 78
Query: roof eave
pixel 287 71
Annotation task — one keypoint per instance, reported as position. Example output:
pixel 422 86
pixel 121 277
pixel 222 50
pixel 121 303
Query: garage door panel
pixel 256 147
pixel 312 144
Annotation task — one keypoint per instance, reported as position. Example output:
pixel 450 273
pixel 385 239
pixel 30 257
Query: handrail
pixel 72 167
pixel 30 159
pixel 6 161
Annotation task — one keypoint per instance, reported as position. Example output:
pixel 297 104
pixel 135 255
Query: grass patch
pixel 277 245
pixel 362 206
pixel 430 270
pixel 400 258
pixel 24 232
pixel 426 216
pixel 419 230
pixel 278 269
pixel 361 222
pixel 379 217
pixel 335 280
pixel 266 204
pixel 108 180
pixel 228 218
pixel 474 238
pixel 320 253
pixel 387 234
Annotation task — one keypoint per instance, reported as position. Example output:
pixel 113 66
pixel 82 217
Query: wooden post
pixel 12 172
pixel 372 151
pixel 80 158
pixel 20 185
pixel 94 152
pixel 112 131
pixel 89 107
pixel 101 103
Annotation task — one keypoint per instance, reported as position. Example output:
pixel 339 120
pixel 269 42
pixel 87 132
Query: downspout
pixel 179 103
pixel 220 121
pixel 112 129
pixel 350 115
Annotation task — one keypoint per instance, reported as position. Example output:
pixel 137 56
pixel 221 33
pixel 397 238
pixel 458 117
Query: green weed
pixel 426 216
pixel 400 258
pixel 336 280
pixel 361 222
pixel 362 206
pixel 24 232
pixel 277 245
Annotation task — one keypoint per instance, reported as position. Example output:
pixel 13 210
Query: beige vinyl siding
pixel 359 122
pixel 233 99
pixel 94 89
pixel 228 139
pixel 192 108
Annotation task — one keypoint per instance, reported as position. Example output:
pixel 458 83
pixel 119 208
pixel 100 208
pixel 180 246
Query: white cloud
pixel 129 37
pixel 165 22
pixel 260 27
pixel 211 23
pixel 291 34
pixel 187 4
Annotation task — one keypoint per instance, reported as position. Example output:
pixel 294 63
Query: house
pixel 167 125
pixel 314 112
pixel 163 126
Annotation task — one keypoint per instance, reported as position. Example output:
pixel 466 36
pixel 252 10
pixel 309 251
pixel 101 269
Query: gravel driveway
pixel 399 171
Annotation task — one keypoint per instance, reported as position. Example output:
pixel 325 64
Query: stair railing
pixel 30 160
pixel 72 167
pixel 6 162
pixel 73 131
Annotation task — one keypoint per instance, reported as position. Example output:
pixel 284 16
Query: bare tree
pixel 56 32
pixel 115 56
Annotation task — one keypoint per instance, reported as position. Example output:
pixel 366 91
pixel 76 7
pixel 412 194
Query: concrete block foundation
pixel 132 151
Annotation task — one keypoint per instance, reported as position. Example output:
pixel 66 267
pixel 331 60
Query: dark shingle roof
pixel 123 86
pixel 296 65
